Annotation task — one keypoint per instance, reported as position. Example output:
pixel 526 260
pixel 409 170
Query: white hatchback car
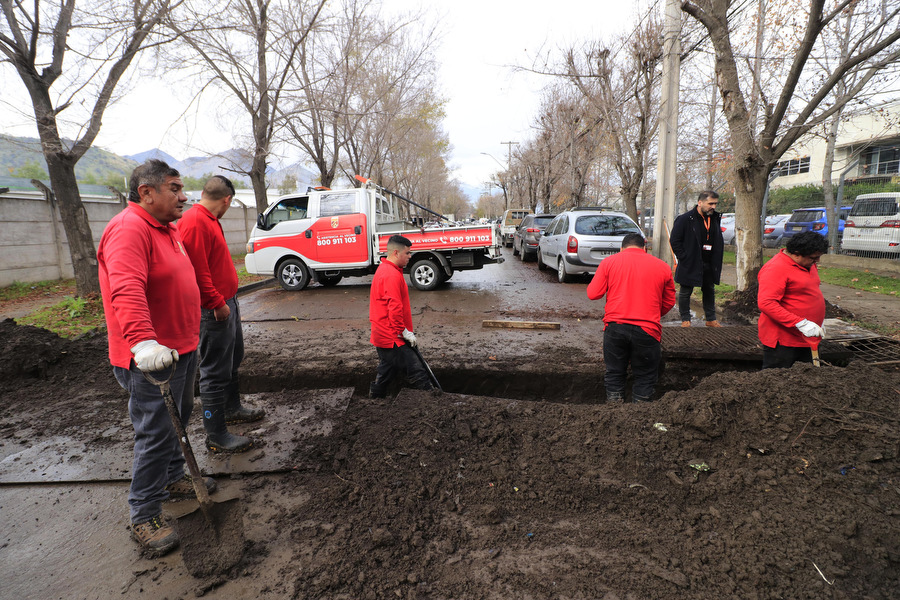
pixel 577 240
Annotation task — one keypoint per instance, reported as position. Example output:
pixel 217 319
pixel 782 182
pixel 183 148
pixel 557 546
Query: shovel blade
pixel 212 546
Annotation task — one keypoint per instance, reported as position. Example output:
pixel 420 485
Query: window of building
pixel 881 160
pixel 792 166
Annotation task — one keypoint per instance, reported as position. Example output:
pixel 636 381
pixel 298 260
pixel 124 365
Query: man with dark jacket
pixel 698 245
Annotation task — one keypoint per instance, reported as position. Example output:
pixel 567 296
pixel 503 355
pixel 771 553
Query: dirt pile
pixel 749 485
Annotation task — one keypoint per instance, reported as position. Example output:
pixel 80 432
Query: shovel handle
pixel 193 468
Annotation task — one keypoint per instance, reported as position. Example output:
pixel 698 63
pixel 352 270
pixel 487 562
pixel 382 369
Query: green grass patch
pixel 860 280
pixel 69 318
pixel 25 291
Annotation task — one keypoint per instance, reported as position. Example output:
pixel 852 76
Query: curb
pixel 255 286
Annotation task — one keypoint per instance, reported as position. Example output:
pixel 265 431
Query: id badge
pixel 707 246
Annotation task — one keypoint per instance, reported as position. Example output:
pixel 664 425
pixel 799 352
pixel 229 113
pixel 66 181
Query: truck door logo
pixel 334 222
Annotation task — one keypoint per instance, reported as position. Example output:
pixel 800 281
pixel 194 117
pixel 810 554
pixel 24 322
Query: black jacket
pixel 687 238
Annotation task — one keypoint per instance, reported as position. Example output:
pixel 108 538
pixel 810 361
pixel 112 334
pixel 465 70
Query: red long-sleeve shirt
pixel 788 293
pixel 638 287
pixel 205 243
pixel 148 285
pixel 389 309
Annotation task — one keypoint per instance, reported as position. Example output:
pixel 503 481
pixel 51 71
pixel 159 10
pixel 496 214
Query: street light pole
pixel 509 146
pixel 506 187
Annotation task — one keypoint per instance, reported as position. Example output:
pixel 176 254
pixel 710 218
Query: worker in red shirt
pixel 391 317
pixel 221 348
pixel 639 290
pixel 152 308
pixel 791 305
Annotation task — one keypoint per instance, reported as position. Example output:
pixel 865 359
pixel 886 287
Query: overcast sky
pixel 488 103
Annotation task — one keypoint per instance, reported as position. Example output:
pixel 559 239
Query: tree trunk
pixel 747 225
pixel 828 186
pixel 61 168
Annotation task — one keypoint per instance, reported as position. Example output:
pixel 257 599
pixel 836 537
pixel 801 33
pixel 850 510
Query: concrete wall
pixel 33 243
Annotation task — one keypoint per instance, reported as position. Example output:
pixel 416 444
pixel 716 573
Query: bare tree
pixel 800 98
pixel 247 47
pixel 620 82
pixel 71 60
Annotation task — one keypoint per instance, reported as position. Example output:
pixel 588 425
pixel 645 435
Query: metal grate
pixel 731 343
pixel 880 351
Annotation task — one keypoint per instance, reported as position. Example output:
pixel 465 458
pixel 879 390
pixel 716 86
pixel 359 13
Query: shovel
pixel 431 376
pixel 815 352
pixel 212 539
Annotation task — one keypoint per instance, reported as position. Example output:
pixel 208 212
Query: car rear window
pixel 542 221
pixel 876 207
pixel 605 225
pixel 806 216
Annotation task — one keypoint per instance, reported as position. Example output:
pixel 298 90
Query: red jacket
pixel 205 243
pixel 788 293
pixel 638 287
pixel 389 309
pixel 148 286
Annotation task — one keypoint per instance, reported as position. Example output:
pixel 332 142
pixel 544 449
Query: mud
pixel 734 484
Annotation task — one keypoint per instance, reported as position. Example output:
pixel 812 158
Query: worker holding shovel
pixel 791 305
pixel 152 307
pixel 392 328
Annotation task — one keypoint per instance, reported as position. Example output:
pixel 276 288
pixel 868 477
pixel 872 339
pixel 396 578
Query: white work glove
pixel 410 338
pixel 150 355
pixel 810 329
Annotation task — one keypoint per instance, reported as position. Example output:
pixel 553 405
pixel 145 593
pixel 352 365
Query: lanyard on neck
pixel 706 223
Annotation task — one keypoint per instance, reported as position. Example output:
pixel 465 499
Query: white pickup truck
pixel 330 234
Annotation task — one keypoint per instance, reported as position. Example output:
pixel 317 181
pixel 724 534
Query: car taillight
pixel 532 230
pixel 723 229
pixel 572 246
pixel 818 226
pixel 891 224
pixel 768 230
pixel 849 224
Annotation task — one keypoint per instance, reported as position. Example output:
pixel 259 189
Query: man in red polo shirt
pixel 639 290
pixel 791 305
pixel 221 348
pixel 391 317
pixel 152 308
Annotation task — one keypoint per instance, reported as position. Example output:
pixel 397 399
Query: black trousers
pixel 709 296
pixel 398 361
pixel 624 344
pixel 783 357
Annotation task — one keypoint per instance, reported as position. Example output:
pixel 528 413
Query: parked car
pixel 773 232
pixel 527 234
pixel 577 240
pixel 873 227
pixel 813 219
pixel 727 225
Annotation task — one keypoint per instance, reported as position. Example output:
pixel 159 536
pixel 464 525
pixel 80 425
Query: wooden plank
pixel 520 324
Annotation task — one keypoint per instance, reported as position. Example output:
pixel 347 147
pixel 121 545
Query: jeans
pixel 399 360
pixel 158 460
pixel 783 357
pixel 220 353
pixel 624 344
pixel 709 296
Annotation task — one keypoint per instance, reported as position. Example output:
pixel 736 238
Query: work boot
pixel 713 324
pixel 155 536
pixel 685 323
pixel 615 397
pixel 636 399
pixel 218 438
pixel 183 489
pixel 235 412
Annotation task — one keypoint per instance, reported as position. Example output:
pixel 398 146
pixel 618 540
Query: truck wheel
pixel 330 280
pixel 293 275
pixel 540 261
pixel 425 275
pixel 561 273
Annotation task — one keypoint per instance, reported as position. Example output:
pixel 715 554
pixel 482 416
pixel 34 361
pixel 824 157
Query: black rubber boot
pixel 235 412
pixel 218 438
pixel 615 397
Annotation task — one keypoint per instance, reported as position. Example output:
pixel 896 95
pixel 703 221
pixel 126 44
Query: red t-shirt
pixel 638 287
pixel 148 285
pixel 205 243
pixel 389 309
pixel 788 293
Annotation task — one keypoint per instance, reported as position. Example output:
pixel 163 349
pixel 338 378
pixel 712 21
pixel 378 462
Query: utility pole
pixel 664 209
pixel 509 146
